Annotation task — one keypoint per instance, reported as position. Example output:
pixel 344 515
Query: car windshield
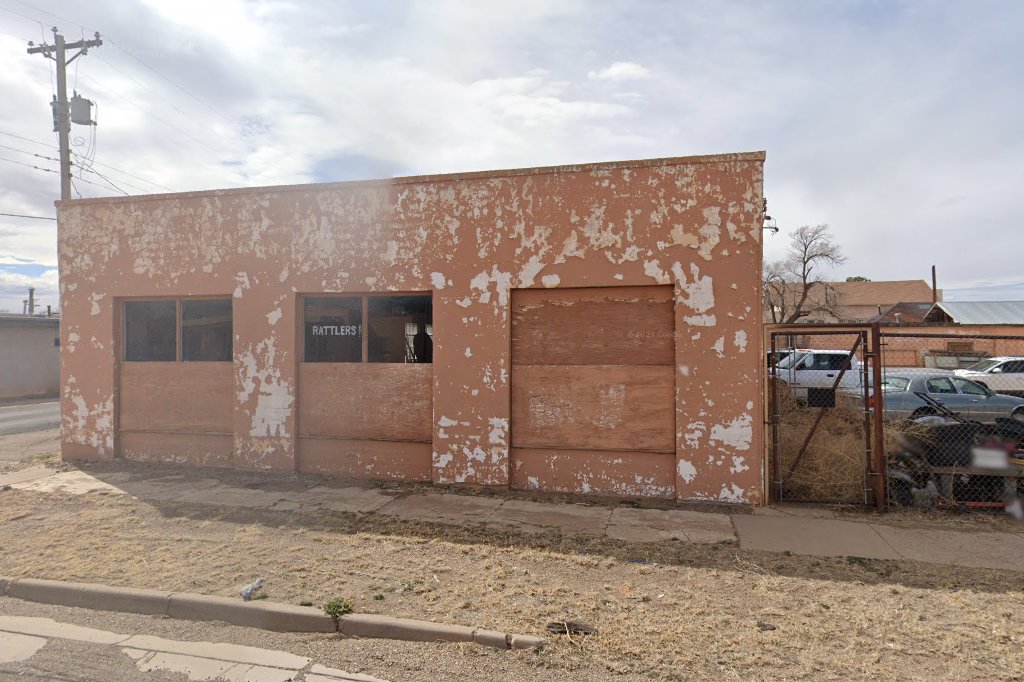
pixel 790 360
pixel 984 365
pixel 895 384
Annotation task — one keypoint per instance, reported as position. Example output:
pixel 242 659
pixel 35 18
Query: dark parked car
pixel 968 399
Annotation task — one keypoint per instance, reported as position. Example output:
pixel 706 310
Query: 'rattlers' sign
pixel 335 329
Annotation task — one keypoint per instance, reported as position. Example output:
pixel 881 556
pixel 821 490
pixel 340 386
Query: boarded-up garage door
pixel 593 408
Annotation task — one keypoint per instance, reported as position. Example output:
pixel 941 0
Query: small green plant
pixel 378 597
pixel 336 608
pixel 305 603
pixel 261 595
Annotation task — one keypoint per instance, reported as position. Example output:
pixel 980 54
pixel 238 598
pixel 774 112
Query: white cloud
pixel 621 71
pixel 894 123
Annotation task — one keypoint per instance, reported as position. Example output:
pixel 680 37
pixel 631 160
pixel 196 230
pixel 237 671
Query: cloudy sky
pixel 897 123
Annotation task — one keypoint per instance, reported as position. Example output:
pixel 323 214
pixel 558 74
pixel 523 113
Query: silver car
pixel 966 398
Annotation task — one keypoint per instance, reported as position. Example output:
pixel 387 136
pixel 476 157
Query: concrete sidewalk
pixel 799 530
pixel 22 640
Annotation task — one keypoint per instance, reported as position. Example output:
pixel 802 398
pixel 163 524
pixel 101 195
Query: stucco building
pixel 29 357
pixel 589 329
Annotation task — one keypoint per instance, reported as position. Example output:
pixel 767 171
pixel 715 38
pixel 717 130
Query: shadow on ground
pixel 226 501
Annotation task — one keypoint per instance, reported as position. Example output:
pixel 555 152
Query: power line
pixel 105 179
pixel 98 163
pixel 150 114
pixel 29 165
pixel 34 217
pixel 15 149
pixel 123 172
pixel 27 139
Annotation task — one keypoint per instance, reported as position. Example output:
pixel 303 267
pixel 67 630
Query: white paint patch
pixel 684 370
pixel 370 281
pixel 750 404
pixel 652 268
pixel 695 433
pixel 392 252
pixel 550 280
pixel 241 283
pixel 463 302
pixel 529 273
pixel 686 471
pixel 619 276
pixel 737 434
pixel 469 353
pixel 720 347
pixel 502 285
pixel 73 338
pixel 740 341
pixel 499 431
pixel 437 279
pixel 446 422
pixel 259 374
pixel 274 316
pixel 738 465
pixel 94 300
pixel 736 494
pixel 697 294
pixel 441 461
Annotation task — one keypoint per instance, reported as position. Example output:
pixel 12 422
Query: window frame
pixel 178 348
pixel 364 322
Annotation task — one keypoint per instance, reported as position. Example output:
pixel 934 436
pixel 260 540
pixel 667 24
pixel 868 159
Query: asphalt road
pixel 26 417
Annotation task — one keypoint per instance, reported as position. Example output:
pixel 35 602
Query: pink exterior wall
pixel 693 223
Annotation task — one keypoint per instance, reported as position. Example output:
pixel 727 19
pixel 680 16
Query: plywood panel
pixel 602 407
pixel 368 401
pixel 371 459
pixel 193 449
pixel 599 326
pixel 181 397
pixel 625 474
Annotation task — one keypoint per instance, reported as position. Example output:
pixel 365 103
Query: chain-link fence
pixel 954 414
pixel 822 432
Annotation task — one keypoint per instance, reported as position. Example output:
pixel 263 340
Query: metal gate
pixel 827 434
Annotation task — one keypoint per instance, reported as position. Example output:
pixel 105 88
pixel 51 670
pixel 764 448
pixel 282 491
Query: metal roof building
pixel 976 312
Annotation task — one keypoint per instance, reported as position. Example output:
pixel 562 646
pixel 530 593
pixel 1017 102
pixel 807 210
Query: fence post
pixel 880 464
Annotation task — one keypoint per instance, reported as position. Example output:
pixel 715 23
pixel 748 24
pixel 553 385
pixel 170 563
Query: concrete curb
pixel 254 614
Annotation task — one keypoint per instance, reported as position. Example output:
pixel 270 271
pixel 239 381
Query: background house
pixel 853 302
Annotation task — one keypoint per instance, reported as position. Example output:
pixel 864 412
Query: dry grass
pixel 692 614
pixel 832 468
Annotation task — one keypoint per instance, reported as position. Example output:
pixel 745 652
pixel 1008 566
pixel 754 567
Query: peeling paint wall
pixel 692 223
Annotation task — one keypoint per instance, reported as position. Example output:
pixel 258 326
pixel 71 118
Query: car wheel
pixel 1018 414
pixel 924 412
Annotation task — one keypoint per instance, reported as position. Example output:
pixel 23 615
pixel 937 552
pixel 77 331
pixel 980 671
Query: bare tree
pixel 794 287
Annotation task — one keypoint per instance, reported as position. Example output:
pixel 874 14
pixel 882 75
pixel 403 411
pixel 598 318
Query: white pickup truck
pixel 811 374
pixel 1002 374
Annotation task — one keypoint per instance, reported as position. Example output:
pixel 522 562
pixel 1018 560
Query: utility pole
pixel 58 53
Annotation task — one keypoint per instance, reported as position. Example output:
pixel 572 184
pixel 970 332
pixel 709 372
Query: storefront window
pixel 206 331
pixel 400 329
pixel 150 331
pixel 333 329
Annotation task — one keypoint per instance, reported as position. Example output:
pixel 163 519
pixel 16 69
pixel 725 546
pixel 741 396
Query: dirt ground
pixel 662 611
